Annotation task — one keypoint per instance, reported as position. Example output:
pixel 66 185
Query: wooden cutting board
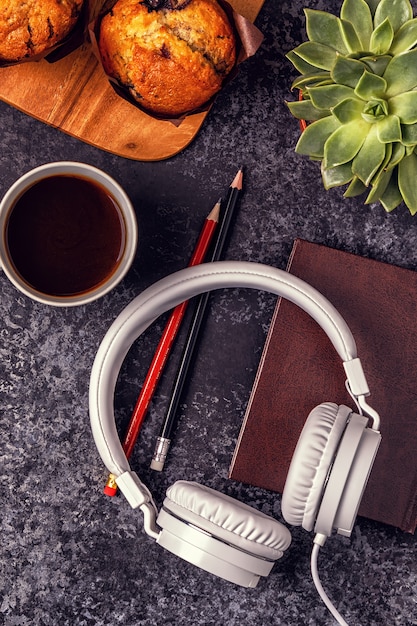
pixel 74 95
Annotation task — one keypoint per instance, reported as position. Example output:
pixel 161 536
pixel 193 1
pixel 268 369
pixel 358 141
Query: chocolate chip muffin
pixel 31 27
pixel 171 55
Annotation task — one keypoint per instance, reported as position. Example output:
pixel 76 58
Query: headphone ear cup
pixel 310 464
pixel 232 521
pixel 220 534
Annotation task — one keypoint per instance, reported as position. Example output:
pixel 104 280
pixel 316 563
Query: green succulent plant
pixel 358 79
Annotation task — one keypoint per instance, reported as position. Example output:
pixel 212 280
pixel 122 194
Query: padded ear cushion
pixel 228 519
pixel 310 464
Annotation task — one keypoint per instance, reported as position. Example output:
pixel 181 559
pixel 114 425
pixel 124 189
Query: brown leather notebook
pixel 299 369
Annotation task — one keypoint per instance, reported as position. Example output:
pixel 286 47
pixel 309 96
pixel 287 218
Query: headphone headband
pixel 174 289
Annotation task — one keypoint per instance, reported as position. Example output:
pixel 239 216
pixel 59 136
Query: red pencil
pixel 163 349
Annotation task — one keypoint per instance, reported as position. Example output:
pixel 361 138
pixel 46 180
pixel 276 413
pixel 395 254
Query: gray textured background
pixel 69 555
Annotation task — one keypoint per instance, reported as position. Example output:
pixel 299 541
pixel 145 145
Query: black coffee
pixel 65 235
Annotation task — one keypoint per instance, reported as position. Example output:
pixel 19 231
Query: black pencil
pixel 164 440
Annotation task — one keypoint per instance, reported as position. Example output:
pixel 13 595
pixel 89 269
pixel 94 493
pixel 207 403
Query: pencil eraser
pixel 158 466
pixel 110 491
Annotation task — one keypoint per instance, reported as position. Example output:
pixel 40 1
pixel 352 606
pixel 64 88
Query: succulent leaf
pixel 336 176
pixel 380 182
pixel 350 36
pixel 405 38
pixel 356 188
pixel 369 158
pixel 302 66
pixel 317 54
pixel 389 129
pixel 314 137
pixel 398 11
pixel 381 173
pixel 348 110
pixel 325 28
pixel 407 176
pixel 347 71
pixel 401 73
pixel 384 165
pixel 370 86
pixel 405 106
pixel 376 64
pixel 379 187
pixel 409 134
pixel 381 38
pixel 344 143
pixel 305 110
pixel 391 198
pixel 358 13
pixel 398 153
pixel 313 78
pixel 328 96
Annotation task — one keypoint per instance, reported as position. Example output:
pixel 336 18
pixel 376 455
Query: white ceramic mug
pixel 68 233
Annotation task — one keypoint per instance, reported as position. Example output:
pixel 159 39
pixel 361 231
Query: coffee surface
pixel 65 235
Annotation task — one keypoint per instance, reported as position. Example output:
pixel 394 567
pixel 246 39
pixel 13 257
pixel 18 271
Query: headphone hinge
pixel 356 377
pixel 357 387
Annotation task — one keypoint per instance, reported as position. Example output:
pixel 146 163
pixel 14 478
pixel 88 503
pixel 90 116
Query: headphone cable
pixel 318 542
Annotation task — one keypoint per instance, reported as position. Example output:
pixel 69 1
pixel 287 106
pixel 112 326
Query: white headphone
pixel 329 469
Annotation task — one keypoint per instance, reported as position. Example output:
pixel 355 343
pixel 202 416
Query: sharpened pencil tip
pixel 238 180
pixel 214 214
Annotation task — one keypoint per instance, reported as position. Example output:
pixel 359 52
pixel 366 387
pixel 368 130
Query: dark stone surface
pixel 69 555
